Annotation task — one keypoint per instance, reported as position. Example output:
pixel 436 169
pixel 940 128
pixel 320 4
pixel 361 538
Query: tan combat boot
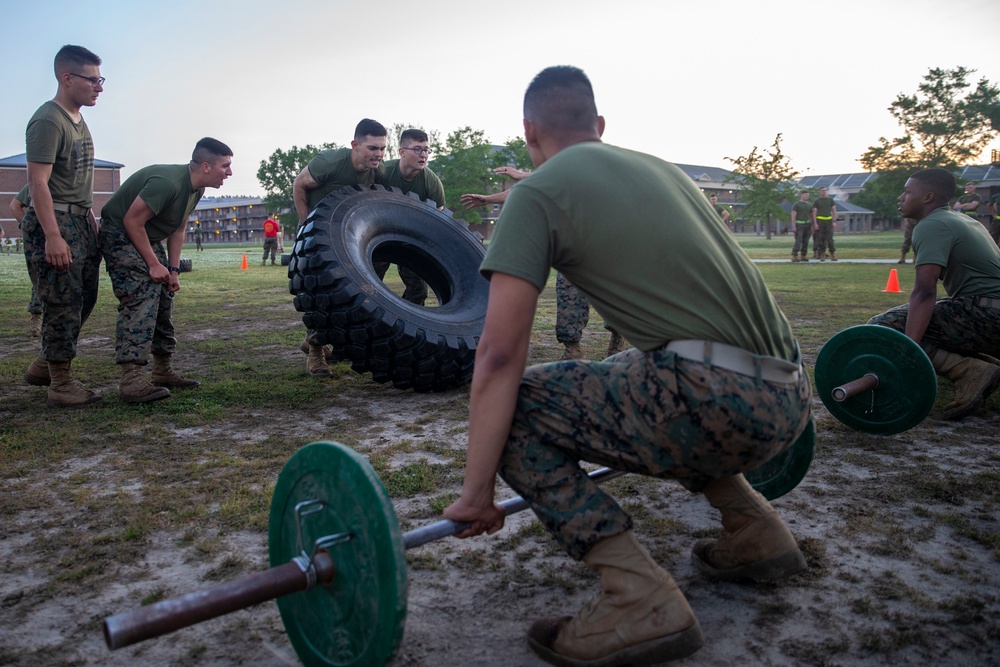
pixel 572 351
pixel 134 388
pixel 66 392
pixel 757 544
pixel 327 351
pixel 640 616
pixel 616 344
pixel 316 361
pixel 35 325
pixel 822 257
pixel 164 375
pixel 38 373
pixel 974 380
pixel 833 257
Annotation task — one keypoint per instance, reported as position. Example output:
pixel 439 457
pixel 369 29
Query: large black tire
pixel 185 265
pixel 344 301
pixel 286 258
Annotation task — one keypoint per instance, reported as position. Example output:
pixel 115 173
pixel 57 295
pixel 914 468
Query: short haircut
pixel 369 128
pixel 74 57
pixel 972 183
pixel 209 150
pixel 939 181
pixel 413 134
pixel 803 192
pixel 561 100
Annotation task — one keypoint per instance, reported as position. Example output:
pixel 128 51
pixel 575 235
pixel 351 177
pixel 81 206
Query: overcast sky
pixel 691 82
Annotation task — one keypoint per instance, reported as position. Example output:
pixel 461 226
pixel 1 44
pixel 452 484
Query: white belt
pixel 736 359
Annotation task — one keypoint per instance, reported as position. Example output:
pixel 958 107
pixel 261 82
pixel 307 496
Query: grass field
pixel 119 505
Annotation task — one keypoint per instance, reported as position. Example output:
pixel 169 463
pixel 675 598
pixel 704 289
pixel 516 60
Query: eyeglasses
pixel 419 150
pixel 96 82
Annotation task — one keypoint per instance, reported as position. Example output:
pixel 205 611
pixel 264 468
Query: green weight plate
pixel 358 619
pixel 782 473
pixel 907 383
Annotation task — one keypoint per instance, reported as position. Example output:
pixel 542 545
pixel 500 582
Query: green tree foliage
pixel 766 180
pixel 276 175
pixel 946 124
pixel 881 194
pixel 514 153
pixel 466 166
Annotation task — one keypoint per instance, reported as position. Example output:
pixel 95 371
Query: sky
pixel 689 82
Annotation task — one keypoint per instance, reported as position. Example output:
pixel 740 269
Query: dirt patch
pixel 900 533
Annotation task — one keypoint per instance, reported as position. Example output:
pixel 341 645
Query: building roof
pixel 20 160
pixel 699 173
pixel 840 181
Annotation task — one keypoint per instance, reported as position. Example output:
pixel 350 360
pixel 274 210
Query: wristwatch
pixel 175 269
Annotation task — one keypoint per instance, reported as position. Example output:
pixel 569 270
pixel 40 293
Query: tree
pixel 466 166
pixel 881 193
pixel 514 153
pixel 946 124
pixel 765 181
pixel 276 175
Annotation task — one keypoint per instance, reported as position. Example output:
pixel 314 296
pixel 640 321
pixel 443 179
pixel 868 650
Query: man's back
pixel 962 246
pixel 640 240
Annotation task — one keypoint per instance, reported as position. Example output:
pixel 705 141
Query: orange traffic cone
pixel 244 265
pixel 892 285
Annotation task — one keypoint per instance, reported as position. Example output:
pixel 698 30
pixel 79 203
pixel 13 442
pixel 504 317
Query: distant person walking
pixel 802 223
pixel 197 236
pixel 271 231
pixel 824 213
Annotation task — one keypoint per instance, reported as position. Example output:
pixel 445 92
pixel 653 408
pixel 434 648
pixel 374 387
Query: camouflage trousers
pixel 802 234
pixel 416 288
pixel 144 307
pixel 67 296
pixel 957 325
pixel 652 413
pixel 907 236
pixel 823 238
pixel 270 247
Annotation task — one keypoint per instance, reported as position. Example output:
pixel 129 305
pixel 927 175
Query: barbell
pixel 338 569
pixel 875 379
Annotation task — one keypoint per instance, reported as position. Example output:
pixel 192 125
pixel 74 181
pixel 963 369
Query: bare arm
pixel 472 201
pixel 303 183
pixel 500 362
pixel 175 242
pixel 922 300
pixel 515 174
pixel 57 252
pixel 136 217
pixel 17 209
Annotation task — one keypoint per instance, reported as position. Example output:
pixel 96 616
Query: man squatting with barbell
pixel 713 387
pixel 958 331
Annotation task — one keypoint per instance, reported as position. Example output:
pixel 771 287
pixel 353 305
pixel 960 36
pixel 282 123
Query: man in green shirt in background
pixel 327 172
pixel 802 224
pixel 994 208
pixel 969 202
pixel 954 331
pixel 824 213
pixel 410 173
pixel 150 207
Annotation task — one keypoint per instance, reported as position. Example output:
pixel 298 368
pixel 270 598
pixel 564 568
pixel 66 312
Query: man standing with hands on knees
pixel 59 229
pixel 150 207
pixel 713 387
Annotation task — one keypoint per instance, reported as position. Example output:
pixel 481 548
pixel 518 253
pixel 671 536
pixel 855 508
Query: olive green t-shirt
pixel 640 240
pixel 803 212
pixel 166 189
pixel 824 207
pixel 966 198
pixel 332 169
pixel 23 196
pixel 53 138
pixel 425 184
pixel 962 247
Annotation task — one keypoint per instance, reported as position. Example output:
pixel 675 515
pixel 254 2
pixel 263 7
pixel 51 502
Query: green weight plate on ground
pixel 358 619
pixel 907 383
pixel 782 473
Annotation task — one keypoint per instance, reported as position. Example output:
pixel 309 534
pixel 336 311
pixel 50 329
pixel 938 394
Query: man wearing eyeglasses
pixel 410 174
pixel 327 172
pixel 60 230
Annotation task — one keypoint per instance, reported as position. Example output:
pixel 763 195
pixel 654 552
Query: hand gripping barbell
pixel 875 379
pixel 338 569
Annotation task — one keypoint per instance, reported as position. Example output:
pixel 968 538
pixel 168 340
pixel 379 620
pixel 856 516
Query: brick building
pixel 228 220
pixel 14 176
